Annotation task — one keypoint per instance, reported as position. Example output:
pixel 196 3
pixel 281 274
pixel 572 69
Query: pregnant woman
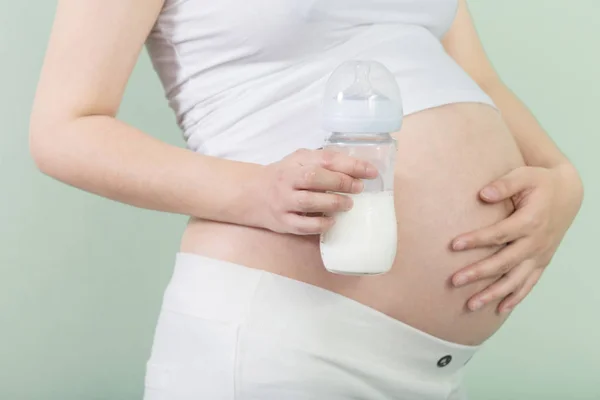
pixel 483 197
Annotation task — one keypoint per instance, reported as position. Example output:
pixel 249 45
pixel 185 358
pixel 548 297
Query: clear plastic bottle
pixel 362 106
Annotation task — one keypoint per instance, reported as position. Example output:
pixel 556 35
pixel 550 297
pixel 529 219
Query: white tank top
pixel 245 78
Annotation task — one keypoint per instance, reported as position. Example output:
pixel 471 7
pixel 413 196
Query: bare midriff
pixel 446 155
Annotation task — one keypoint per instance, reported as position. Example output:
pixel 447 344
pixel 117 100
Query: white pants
pixel 228 332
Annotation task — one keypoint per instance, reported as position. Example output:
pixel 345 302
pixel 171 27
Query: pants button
pixel 442 362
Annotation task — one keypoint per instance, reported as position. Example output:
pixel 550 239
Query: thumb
pixel 512 183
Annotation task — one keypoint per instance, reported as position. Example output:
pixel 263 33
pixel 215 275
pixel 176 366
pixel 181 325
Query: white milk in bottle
pixel 362 108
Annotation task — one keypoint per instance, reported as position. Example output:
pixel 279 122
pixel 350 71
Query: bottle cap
pixel 362 97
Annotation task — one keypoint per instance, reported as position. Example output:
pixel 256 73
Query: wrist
pixel 228 194
pixel 250 197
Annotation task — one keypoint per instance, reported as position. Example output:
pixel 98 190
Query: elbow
pixel 44 144
pixel 37 151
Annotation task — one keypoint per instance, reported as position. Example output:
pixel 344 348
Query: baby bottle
pixel 362 107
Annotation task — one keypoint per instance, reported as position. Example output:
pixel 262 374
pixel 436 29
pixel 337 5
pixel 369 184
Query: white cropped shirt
pixel 245 78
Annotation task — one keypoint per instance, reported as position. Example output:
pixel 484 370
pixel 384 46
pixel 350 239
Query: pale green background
pixel 81 277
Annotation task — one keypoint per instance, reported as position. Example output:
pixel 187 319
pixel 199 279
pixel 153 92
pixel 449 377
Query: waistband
pixel 309 317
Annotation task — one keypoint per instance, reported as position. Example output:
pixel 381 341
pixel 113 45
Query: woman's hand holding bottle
pixel 297 193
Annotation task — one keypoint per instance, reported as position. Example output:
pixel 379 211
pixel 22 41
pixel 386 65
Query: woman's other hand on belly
pixel 546 202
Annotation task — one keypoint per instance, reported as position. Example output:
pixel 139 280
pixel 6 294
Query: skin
pixel 547 192
pixel 76 138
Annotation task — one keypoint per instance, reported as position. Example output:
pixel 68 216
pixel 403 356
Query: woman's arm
pixel 75 137
pixel 464 46
pixel 547 193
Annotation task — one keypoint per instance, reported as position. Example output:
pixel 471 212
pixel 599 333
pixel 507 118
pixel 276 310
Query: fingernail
pixel 357 186
pixel 490 193
pixel 348 205
pixel 460 280
pixel 459 245
pixel 507 309
pixel 372 171
pixel 476 305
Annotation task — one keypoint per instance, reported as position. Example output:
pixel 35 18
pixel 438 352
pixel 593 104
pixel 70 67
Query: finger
pixel 502 288
pixel 501 233
pixel 313 202
pixel 515 181
pixel 302 225
pixel 497 264
pixel 514 299
pixel 340 162
pixel 321 179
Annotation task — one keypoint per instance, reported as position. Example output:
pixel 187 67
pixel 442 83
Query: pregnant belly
pixel 445 156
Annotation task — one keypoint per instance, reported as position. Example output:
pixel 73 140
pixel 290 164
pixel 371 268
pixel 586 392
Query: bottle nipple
pixel 362 96
pixel 361 88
